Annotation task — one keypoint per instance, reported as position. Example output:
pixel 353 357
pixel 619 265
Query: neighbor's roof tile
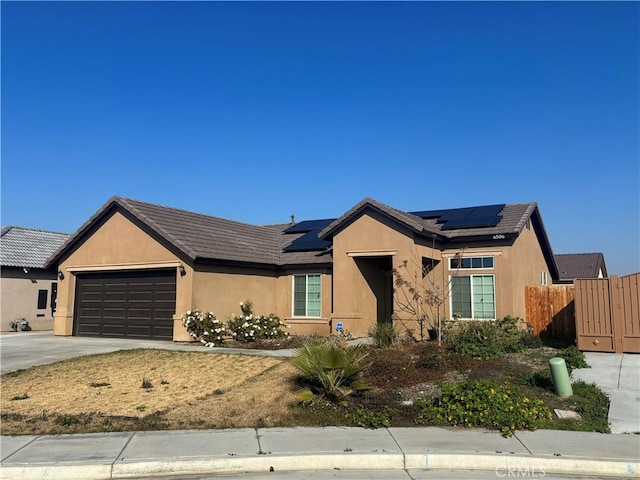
pixel 580 265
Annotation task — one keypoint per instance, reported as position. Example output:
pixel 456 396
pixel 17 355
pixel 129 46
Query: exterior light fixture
pixel 182 271
pixel 60 275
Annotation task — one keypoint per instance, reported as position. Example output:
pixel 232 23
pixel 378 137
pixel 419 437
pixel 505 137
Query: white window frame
pixel 495 297
pixel 544 280
pixel 306 300
pixel 454 259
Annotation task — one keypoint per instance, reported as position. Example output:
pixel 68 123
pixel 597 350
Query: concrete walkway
pixel 617 375
pixel 146 454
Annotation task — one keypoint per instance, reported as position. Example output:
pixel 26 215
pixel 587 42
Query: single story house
pixel 580 265
pixel 28 287
pixel 134 268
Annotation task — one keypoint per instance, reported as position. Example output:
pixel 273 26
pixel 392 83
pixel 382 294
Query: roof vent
pixel 293 219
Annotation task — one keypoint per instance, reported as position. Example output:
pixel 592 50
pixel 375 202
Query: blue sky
pixel 254 111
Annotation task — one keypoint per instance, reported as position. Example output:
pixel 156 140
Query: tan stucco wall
pixel 370 235
pixel 19 298
pixel 118 244
pixel 221 289
pixel 527 261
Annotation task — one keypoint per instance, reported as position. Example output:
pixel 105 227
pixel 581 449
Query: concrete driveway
pixel 617 375
pixel 20 350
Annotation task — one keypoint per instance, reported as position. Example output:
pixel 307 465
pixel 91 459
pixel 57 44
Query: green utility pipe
pixel 560 377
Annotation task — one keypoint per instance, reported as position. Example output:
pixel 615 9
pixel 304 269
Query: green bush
pixel 332 369
pixel 476 339
pixel 486 339
pixel 249 328
pixel 384 334
pixel 573 357
pixel 369 419
pixel 484 404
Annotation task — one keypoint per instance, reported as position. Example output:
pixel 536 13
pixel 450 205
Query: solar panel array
pixel 469 217
pixel 452 219
pixel 308 242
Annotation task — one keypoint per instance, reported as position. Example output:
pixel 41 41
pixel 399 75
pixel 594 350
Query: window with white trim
pixel 456 263
pixel 543 278
pixel 307 295
pixel 473 296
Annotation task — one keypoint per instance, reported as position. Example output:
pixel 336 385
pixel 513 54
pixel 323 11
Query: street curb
pixel 504 465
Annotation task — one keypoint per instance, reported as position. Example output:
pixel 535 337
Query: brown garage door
pixel 126 304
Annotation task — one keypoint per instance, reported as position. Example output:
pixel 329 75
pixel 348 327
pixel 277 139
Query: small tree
pixel 421 295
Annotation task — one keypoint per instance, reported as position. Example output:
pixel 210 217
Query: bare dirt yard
pixel 147 389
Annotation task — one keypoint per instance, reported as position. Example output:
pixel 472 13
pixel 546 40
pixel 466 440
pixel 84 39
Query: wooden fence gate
pixel 550 311
pixel 608 314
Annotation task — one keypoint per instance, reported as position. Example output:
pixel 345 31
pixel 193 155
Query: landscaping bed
pixel 158 390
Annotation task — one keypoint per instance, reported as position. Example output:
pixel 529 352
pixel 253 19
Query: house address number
pixel 499 237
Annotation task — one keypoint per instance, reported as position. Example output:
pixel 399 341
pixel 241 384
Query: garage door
pixel 126 304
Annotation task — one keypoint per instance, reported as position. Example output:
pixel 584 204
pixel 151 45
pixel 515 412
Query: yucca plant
pixel 331 369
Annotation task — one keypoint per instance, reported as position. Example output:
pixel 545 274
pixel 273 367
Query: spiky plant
pixel 331 369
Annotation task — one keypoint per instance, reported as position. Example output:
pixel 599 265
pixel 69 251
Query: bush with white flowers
pixel 204 327
pixel 249 327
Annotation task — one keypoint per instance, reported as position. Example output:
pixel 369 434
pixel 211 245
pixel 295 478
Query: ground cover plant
pixel 405 384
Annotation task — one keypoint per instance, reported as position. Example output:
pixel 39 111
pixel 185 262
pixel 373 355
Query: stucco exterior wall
pixel 118 244
pixel 19 297
pixel 369 236
pixel 221 289
pixel 527 262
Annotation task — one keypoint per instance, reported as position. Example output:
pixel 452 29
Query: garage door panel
pixel 126 304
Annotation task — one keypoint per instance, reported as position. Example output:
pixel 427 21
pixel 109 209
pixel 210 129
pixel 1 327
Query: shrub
pixel 249 328
pixel 484 404
pixel 204 327
pixel 384 334
pixel 476 339
pixel 362 417
pixel 332 369
pixel 486 339
pixel 573 357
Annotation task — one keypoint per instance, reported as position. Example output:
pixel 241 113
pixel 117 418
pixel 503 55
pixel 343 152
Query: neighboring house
pixel 580 265
pixel 134 268
pixel 28 287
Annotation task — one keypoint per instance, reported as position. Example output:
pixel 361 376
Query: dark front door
pixel 137 304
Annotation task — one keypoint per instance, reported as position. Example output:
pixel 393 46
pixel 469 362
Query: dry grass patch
pixel 112 384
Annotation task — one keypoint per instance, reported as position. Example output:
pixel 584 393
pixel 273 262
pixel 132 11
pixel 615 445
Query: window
pixel 306 295
pixel 42 299
pixel 473 296
pixel 543 278
pixel 470 262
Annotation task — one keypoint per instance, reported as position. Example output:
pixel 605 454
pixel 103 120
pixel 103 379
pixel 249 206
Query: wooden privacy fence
pixel 608 314
pixel 550 310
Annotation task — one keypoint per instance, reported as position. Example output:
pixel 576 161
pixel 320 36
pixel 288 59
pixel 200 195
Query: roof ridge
pixel 7 228
pixel 191 212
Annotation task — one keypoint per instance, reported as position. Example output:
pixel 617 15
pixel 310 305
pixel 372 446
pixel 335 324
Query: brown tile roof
pixel 580 265
pixel 199 237
pixel 203 237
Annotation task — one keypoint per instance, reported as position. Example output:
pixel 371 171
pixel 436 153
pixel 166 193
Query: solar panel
pixel 309 225
pixel 308 243
pixel 468 217
pixel 471 222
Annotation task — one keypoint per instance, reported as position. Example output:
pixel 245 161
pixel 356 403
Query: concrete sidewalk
pixel 145 454
pixel 617 375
